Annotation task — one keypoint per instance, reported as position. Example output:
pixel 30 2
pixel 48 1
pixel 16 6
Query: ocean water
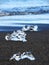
pixel 32 14
pixel 11 23
pixel 41 27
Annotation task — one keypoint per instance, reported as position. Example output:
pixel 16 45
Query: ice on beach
pixel 20 35
pixel 19 56
pixel 30 28
pixel 16 36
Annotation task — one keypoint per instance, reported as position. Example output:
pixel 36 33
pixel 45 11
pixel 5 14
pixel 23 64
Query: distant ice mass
pixel 19 56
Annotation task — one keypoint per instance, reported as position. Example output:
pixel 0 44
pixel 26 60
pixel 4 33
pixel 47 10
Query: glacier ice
pixel 24 55
pixel 20 35
pixel 30 28
pixel 16 36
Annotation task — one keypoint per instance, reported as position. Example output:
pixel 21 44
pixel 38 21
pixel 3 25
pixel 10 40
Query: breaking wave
pixel 24 11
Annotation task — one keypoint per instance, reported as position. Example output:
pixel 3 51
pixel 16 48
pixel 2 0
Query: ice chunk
pixel 30 28
pixel 17 36
pixel 16 57
pixel 22 56
pixel 27 55
pixel 35 28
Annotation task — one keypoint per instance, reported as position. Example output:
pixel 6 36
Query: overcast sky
pixel 22 3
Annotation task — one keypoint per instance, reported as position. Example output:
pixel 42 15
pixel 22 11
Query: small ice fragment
pixel 35 28
pixel 30 28
pixel 22 56
pixel 25 28
pixel 17 36
pixel 27 55
pixel 16 57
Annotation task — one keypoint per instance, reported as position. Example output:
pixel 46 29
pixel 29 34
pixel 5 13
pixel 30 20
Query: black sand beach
pixel 38 44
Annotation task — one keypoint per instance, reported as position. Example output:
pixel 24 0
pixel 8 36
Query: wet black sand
pixel 38 44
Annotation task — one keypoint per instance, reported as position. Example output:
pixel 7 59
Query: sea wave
pixel 24 11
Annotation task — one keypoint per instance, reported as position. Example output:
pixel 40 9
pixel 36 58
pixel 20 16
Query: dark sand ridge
pixel 38 44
